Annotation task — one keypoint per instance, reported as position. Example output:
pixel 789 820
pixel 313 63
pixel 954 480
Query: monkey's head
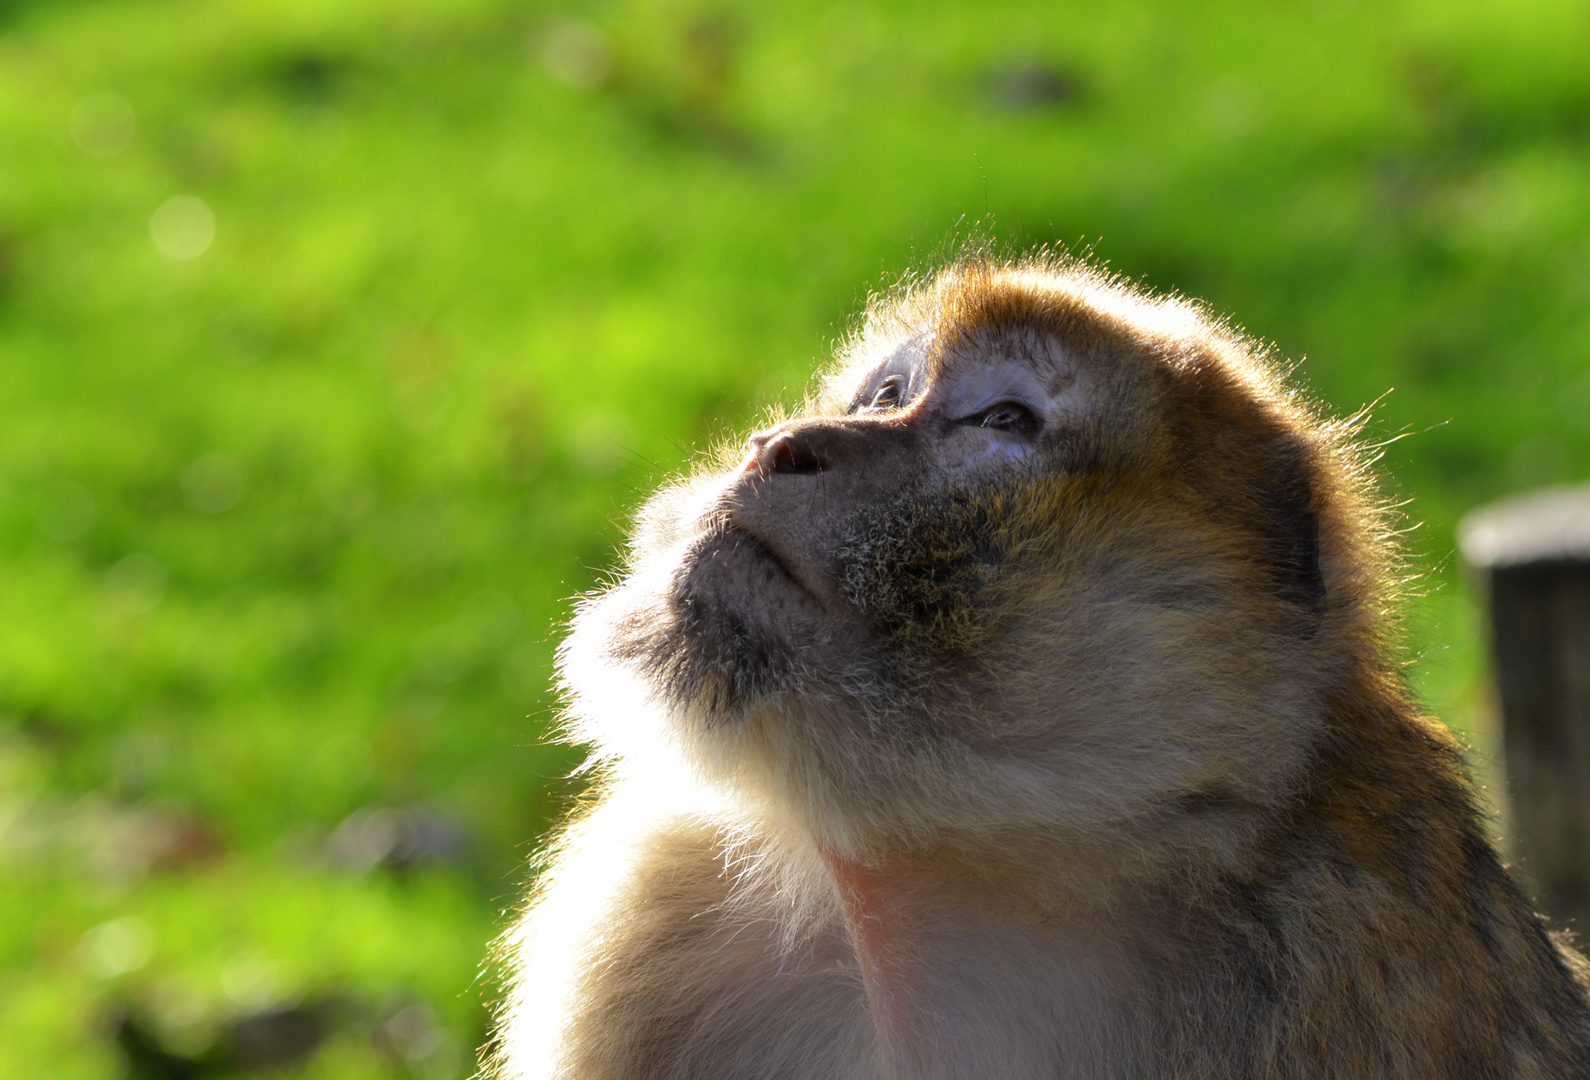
pixel 1041 553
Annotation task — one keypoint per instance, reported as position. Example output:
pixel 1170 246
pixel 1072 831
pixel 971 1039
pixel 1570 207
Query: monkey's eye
pixel 1011 416
pixel 888 396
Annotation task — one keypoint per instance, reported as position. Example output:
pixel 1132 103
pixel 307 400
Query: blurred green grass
pixel 289 525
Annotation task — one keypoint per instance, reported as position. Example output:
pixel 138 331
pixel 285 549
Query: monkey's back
pixel 1378 935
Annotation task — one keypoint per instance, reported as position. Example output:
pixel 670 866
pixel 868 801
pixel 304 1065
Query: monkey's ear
pixel 1293 529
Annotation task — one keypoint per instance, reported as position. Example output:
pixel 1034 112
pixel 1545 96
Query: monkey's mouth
pixel 730 535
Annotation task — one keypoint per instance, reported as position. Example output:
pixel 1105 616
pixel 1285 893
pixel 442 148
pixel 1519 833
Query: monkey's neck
pixel 957 987
pixel 887 934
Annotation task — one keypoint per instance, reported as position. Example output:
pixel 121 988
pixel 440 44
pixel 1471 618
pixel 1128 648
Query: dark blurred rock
pixel 396 838
pixel 1029 84
pixel 147 1059
pixel 268 1040
pixel 277 1038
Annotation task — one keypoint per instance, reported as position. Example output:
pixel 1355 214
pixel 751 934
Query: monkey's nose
pixel 783 452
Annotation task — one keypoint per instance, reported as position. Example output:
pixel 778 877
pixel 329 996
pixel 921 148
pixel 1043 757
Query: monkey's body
pixel 1067 746
pixel 1338 956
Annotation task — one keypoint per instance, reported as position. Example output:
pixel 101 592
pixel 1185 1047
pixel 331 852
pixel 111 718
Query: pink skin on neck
pixel 886 933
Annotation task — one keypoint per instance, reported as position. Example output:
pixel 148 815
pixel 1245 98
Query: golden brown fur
pixel 1025 709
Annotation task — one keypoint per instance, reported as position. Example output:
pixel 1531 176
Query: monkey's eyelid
pixel 1018 419
pixel 890 394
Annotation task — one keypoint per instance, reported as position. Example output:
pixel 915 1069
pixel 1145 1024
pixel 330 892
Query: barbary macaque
pixel 1027 707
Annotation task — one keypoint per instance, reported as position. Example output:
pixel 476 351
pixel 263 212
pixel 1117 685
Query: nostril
pixel 784 457
pixel 791 454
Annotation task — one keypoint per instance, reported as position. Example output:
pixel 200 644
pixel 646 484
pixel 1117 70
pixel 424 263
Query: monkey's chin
pixel 712 663
pixel 718 631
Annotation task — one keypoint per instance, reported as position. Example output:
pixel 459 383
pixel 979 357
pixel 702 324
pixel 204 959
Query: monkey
pixel 1027 705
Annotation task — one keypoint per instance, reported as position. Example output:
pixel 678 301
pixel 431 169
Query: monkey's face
pixel 850 556
pixel 982 584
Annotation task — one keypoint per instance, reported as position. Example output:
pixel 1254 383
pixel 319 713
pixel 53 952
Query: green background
pixel 290 523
